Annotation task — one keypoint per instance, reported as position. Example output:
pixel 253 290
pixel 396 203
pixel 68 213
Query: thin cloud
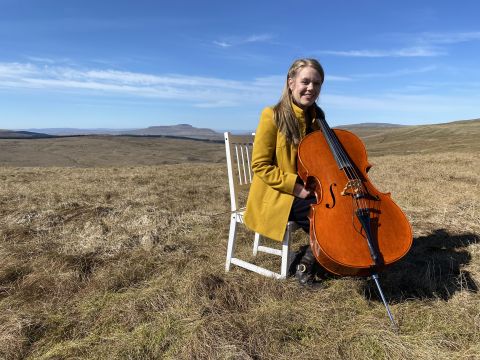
pixel 449 38
pixel 216 104
pixel 258 38
pixel 15 70
pixel 236 41
pixel 416 51
pixel 337 78
pixel 222 44
pixel 428 44
pixel 396 73
pixel 49 61
pixel 202 91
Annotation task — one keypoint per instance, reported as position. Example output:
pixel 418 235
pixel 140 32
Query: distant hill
pixel 183 130
pixel 92 151
pixel 385 137
pixel 369 125
pixel 461 135
pixel 10 134
pixel 76 131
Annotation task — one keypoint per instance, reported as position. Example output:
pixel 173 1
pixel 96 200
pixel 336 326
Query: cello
pixel 355 230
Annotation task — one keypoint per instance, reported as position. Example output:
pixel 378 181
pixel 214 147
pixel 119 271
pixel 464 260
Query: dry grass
pixel 128 263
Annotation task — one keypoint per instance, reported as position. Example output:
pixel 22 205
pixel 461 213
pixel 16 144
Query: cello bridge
pixel 353 187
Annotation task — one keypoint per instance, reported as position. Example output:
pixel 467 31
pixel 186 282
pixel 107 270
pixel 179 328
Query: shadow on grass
pixel 433 269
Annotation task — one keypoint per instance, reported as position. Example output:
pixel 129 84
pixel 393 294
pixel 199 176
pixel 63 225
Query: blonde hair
pixel 284 115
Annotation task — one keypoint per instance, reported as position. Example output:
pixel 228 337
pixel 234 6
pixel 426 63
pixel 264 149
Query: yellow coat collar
pixel 298 112
pixel 300 115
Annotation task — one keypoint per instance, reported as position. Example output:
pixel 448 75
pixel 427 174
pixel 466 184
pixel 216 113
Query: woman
pixel 277 194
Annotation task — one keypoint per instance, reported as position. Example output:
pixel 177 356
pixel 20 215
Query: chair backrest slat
pixel 238 150
pixel 243 151
pixel 239 165
pixel 249 166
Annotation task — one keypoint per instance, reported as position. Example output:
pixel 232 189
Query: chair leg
pixel 285 253
pixel 256 243
pixel 231 241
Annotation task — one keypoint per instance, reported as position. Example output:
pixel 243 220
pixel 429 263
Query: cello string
pixel 348 167
pixel 338 150
pixel 352 171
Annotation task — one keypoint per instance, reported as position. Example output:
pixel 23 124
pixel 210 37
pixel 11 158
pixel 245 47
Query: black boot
pixel 305 273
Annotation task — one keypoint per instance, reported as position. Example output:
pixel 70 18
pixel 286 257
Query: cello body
pixel 354 228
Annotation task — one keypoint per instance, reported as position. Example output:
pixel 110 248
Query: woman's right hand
pixel 300 191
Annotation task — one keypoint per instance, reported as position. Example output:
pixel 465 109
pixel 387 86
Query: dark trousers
pixel 299 213
pixel 300 210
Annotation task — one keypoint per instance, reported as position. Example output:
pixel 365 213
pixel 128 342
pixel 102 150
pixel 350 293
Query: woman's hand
pixel 300 191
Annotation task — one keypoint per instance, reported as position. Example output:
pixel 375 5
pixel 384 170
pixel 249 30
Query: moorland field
pixel 114 248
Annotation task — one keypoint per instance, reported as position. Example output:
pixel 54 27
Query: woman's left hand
pixel 300 191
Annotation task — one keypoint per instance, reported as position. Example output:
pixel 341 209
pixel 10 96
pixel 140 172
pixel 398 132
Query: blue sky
pixel 216 64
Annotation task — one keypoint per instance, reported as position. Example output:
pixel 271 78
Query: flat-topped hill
pixel 181 130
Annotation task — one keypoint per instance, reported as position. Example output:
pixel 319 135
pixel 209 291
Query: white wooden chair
pixel 239 150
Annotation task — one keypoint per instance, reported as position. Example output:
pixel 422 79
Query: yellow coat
pixel 274 164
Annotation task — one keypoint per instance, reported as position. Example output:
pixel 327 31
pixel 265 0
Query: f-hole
pixel 328 206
